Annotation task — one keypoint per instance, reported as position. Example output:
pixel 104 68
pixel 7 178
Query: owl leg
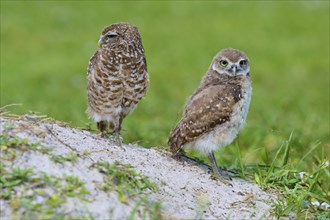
pixel 111 127
pixel 216 171
pixel 117 130
pixel 118 138
pixel 102 127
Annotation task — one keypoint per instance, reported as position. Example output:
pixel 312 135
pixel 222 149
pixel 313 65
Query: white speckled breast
pixel 225 133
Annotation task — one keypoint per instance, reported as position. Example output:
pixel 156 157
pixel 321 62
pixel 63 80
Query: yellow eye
pixel 242 62
pixel 223 63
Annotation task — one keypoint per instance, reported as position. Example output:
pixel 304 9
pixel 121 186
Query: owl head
pixel 231 62
pixel 118 34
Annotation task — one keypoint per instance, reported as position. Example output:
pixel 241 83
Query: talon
pixel 224 179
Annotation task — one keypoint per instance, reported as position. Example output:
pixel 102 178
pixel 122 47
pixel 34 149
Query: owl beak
pixel 234 69
pixel 101 41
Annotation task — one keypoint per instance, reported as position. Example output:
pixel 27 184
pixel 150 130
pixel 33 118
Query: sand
pixel 186 189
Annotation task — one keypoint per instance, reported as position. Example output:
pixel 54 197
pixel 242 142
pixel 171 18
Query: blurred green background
pixel 45 48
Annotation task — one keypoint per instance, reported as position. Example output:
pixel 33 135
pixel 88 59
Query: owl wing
pixel 206 109
pixel 92 60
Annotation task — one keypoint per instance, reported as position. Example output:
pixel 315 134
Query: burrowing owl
pixel 217 109
pixel 117 77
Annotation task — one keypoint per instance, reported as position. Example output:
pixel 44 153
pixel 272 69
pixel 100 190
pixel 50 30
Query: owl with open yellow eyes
pixel 218 108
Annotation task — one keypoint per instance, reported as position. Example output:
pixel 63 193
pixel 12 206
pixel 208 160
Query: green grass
pixel 45 48
pixel 123 179
pixel 23 188
pixel 69 157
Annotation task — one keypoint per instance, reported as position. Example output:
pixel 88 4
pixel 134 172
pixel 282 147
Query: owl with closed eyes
pixel 217 109
pixel 117 77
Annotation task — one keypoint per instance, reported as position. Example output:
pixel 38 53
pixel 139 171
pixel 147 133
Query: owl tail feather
pixel 175 141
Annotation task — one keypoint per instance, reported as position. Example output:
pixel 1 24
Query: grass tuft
pixel 123 179
pixel 69 157
pixel 303 193
pixel 37 195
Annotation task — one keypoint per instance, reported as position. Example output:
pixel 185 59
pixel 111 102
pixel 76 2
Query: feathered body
pixel 117 76
pixel 215 123
pixel 218 108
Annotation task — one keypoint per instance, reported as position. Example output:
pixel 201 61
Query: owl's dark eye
pixel 242 62
pixel 111 35
pixel 223 63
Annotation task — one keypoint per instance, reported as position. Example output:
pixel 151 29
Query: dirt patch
pixel 185 189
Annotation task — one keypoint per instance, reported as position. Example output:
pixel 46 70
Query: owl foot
pixel 104 134
pixel 114 137
pixel 224 179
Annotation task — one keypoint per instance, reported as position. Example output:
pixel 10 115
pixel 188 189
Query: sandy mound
pixel 185 189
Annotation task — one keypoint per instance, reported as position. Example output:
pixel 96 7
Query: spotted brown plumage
pixel 117 77
pixel 200 117
pixel 217 109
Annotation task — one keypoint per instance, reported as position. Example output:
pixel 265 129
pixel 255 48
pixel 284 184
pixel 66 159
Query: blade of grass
pixel 286 151
pixel 271 168
pixel 309 152
pixel 240 160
